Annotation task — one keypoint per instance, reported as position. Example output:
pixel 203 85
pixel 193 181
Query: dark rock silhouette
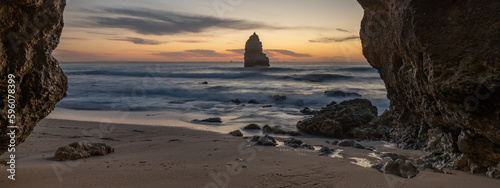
pixel 252 126
pixel 30 31
pixel 236 133
pixel 440 61
pixel 337 120
pixel 254 57
pixel 264 141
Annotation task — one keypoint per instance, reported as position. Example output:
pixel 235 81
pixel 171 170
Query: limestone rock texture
pixel 29 32
pixel 254 57
pixel 79 150
pixel 440 61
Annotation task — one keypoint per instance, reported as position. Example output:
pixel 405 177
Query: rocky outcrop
pixel 252 126
pixel 254 57
pixel 278 130
pixel 440 61
pixel 265 140
pixel 397 167
pixel 236 133
pixel 79 150
pixel 294 143
pixel 337 120
pixel 29 32
pixel 336 93
pixel 209 120
pixel 494 171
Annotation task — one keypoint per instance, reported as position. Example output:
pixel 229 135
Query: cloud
pixel 205 53
pixel 290 53
pixel 343 30
pixel 332 39
pixel 71 38
pixel 156 22
pixel 239 51
pixel 189 41
pixel 71 55
pixel 192 53
pixel 136 40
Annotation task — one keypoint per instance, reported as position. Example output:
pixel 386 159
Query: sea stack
pixel 254 57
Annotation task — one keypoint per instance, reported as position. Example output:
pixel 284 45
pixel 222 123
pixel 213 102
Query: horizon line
pixel 226 62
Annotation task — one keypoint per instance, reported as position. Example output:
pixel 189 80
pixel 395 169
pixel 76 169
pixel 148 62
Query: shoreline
pixel 160 156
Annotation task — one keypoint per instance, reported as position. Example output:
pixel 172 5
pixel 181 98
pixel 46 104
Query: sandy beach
pixel 157 156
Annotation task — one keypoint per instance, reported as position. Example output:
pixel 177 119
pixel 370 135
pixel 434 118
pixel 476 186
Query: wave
pixel 358 69
pixel 318 77
pixel 250 75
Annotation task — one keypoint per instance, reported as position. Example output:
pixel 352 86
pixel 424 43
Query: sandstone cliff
pixel 29 31
pixel 254 57
pixel 440 61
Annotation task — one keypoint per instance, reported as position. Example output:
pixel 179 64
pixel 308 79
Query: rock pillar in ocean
pixel 254 57
pixel 29 32
pixel 440 61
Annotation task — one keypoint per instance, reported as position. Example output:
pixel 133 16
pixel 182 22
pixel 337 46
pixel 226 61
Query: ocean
pixel 175 94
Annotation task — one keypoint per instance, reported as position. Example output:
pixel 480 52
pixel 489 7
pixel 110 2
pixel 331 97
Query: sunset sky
pixel 210 30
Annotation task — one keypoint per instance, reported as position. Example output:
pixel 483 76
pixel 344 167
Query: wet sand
pixel 158 156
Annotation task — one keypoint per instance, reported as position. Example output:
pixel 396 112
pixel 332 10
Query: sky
pixel 210 30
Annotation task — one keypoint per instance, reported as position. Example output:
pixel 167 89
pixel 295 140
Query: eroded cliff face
pixel 29 32
pixel 440 61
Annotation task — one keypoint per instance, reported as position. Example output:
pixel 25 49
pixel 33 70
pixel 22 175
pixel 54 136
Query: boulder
pixel 236 133
pixel 308 111
pixel 398 168
pixel 346 143
pixel 335 93
pixel 293 143
pixel 306 146
pixel 252 126
pixel 79 150
pixel 337 120
pixel 391 156
pixel 30 31
pixel 359 146
pixel 210 120
pixel 326 151
pixel 253 101
pixel 440 63
pixel 264 141
pixel 278 130
pixel 279 98
pixel 494 171
pixel 236 101
pixel 254 57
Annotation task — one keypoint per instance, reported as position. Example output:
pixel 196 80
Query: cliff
pixel 29 32
pixel 440 61
pixel 254 57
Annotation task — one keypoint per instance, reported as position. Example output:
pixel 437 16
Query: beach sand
pixel 158 156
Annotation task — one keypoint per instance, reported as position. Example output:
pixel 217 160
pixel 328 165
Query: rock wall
pixel 29 31
pixel 254 57
pixel 440 61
